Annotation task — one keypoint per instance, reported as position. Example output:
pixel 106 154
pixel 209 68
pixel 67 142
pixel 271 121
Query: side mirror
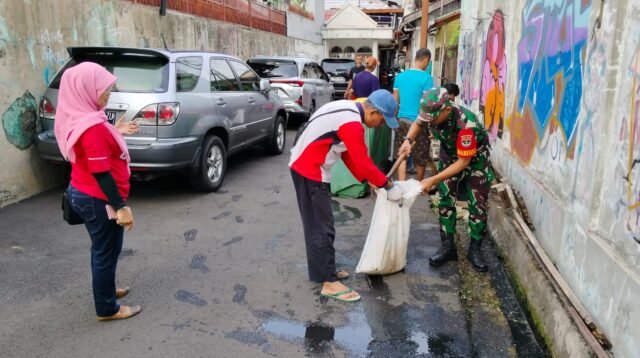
pixel 265 85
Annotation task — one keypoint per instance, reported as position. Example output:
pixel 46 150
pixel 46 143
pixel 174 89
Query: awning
pixel 410 18
pixel 436 23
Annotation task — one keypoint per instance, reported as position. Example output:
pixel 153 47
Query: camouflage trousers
pixel 476 181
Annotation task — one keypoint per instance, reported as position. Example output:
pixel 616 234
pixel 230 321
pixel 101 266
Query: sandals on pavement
pixel 124 313
pixel 336 296
pixel 121 292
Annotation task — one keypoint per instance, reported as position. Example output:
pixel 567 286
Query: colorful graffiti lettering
pixel 550 64
pixel 494 76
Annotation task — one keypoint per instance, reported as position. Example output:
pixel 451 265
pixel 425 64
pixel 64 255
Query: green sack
pixel 343 183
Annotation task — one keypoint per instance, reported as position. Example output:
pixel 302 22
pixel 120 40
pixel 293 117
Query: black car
pixel 338 71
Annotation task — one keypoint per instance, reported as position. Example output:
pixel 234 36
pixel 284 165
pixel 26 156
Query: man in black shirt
pixel 359 67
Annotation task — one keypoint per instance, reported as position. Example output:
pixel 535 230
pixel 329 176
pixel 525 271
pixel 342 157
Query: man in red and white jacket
pixel 335 131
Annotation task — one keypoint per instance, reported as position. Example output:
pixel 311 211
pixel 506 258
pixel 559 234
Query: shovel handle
pixel 395 166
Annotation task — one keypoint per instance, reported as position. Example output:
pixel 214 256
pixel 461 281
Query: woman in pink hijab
pixel 99 177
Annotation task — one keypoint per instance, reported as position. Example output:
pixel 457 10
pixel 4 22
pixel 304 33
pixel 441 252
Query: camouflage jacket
pixel 462 135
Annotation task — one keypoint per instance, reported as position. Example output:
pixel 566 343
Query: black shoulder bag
pixel 68 214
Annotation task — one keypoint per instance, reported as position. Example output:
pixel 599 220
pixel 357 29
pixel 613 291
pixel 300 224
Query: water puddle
pixel 343 214
pixel 354 337
pixel 383 334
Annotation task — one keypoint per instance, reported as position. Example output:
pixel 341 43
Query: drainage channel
pixel 526 339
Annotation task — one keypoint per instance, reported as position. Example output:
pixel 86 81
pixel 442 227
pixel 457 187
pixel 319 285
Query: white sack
pixel 385 250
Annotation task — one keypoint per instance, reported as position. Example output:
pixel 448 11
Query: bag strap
pixel 313 118
pixel 332 112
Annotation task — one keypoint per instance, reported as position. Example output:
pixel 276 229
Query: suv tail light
pixel 161 114
pixel 46 109
pixel 299 101
pixel 290 82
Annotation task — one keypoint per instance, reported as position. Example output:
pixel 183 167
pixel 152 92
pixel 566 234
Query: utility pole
pixel 424 23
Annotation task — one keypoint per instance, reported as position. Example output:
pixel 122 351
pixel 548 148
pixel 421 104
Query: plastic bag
pixel 385 250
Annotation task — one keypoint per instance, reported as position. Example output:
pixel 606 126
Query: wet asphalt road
pixel 223 275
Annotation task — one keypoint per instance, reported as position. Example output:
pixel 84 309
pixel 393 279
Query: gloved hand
pixel 395 192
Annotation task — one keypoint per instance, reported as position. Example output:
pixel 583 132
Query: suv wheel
pixel 213 165
pixel 312 108
pixel 275 143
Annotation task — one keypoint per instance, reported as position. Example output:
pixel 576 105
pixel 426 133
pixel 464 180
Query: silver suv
pixel 338 70
pixel 194 109
pixel 300 82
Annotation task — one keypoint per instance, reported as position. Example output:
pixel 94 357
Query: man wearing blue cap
pixel 335 132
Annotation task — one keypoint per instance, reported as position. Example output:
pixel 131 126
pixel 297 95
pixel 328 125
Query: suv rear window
pixel 188 71
pixel 274 68
pixel 337 66
pixel 136 73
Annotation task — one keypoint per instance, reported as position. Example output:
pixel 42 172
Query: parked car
pixel 299 81
pixel 338 71
pixel 193 108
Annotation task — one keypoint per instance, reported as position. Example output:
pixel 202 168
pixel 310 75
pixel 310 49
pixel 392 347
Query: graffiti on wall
pixel 6 197
pixel 630 132
pixel 6 39
pixel 53 54
pixel 551 53
pixel 494 76
pixel 469 90
pixel 102 27
pixel 592 102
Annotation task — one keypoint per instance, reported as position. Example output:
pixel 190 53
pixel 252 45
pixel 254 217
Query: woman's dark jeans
pixel 106 244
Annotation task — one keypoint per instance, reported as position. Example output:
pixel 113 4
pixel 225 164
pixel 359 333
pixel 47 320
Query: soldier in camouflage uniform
pixel 464 154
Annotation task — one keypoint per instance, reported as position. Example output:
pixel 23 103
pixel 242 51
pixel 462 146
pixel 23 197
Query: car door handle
pixel 221 102
pixel 251 100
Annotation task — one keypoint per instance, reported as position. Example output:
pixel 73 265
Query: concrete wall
pixel 558 85
pixel 300 27
pixel 33 38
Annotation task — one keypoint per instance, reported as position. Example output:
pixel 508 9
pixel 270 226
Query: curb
pixel 548 313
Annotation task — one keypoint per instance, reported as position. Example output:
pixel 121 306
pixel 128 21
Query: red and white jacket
pixel 335 131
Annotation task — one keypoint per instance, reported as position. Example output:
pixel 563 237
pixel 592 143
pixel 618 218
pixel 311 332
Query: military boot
pixel 446 252
pixel 475 256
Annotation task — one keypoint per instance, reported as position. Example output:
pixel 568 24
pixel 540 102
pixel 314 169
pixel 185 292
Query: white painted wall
pixel 350 17
pixel 357 33
pixel 569 149
pixel 300 27
pixel 350 27
pixel 415 46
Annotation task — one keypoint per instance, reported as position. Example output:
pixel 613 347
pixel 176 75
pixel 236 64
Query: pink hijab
pixel 78 108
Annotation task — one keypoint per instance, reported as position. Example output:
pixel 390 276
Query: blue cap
pixel 385 103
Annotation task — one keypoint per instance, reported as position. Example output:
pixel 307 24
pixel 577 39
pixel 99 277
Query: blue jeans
pixel 106 244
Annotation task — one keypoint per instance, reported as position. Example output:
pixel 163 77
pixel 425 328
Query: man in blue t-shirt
pixel 366 82
pixel 408 88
